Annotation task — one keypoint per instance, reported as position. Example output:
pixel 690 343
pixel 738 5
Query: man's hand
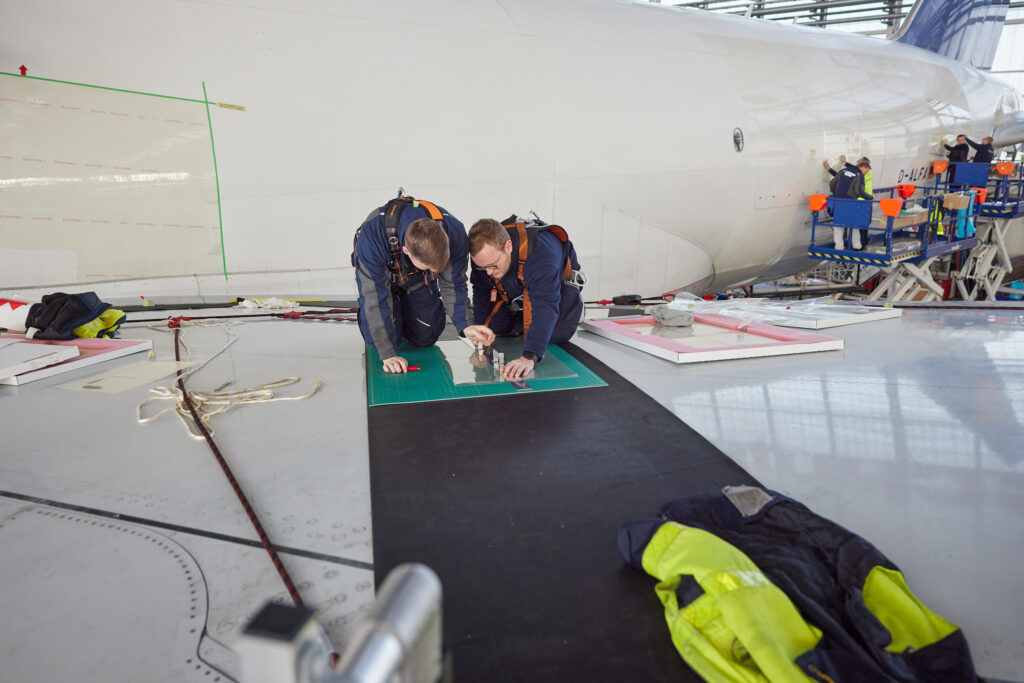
pixel 478 361
pixel 479 334
pixel 825 164
pixel 395 364
pixel 520 367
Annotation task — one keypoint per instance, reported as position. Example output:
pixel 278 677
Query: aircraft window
pixel 737 139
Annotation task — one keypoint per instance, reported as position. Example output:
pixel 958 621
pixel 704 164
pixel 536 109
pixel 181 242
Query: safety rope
pixel 214 403
pixel 293 591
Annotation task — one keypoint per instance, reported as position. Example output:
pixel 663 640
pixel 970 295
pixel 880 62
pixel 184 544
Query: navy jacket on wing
pixel 837 579
pixel 557 307
pixel 378 293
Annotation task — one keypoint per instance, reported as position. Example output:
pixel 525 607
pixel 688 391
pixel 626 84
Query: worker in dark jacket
pixel 957 154
pixel 410 259
pixel 848 183
pixel 959 151
pixel 983 152
pixel 531 296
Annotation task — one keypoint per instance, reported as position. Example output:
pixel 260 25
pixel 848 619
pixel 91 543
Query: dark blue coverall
pixel 557 307
pixel 389 312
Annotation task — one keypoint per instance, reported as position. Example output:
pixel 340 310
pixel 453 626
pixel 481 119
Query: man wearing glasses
pixel 526 280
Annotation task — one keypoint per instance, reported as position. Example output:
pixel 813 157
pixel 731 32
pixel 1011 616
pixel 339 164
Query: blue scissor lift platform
pixel 907 243
pixel 982 273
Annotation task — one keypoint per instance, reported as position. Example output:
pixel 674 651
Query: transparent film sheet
pixel 127 376
pixel 701 336
pixel 99 184
pixel 467 367
pixel 813 314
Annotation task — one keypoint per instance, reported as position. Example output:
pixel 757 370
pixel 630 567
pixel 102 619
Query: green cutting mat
pixel 433 381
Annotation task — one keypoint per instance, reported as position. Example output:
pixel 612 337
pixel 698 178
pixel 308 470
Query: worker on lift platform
pixel 848 183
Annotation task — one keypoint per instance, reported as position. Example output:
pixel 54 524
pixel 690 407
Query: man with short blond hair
pixel 410 258
pixel 487 231
pixel 427 242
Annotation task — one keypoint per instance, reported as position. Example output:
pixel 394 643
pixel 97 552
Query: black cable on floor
pixel 291 315
pixel 264 539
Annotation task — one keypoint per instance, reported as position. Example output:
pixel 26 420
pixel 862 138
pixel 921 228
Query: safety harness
pixel 523 234
pixel 400 269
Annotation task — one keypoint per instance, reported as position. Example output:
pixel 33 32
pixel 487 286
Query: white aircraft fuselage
pixel 622 117
pixel 617 120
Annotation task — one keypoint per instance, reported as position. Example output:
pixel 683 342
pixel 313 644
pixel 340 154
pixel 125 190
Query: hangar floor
pixel 120 537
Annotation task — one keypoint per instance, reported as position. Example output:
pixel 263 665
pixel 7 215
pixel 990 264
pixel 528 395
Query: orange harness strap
pixel 524 251
pixel 432 210
pixel 563 236
pixel 502 300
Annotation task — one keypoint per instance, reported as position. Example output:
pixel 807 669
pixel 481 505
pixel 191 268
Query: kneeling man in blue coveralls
pixel 526 280
pixel 410 258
